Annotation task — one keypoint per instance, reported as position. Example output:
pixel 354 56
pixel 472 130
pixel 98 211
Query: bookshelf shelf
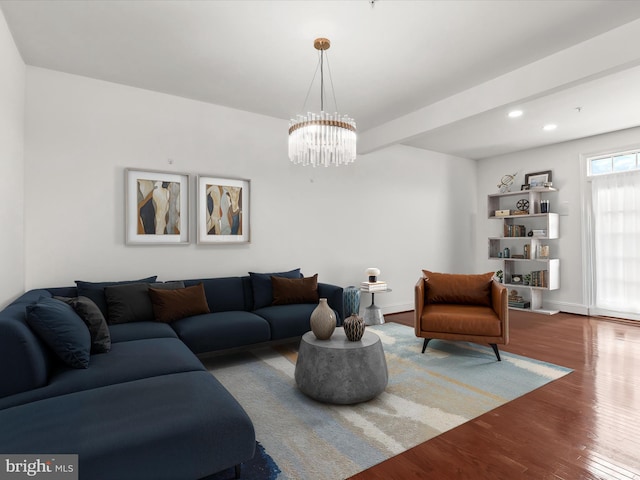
pixel 534 255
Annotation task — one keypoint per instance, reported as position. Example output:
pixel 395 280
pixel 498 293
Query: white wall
pixel 12 85
pixel 564 161
pixel 400 209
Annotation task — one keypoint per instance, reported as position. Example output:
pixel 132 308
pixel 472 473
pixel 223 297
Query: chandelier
pixel 322 138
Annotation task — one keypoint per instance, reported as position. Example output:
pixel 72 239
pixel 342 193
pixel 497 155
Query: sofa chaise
pixel 144 408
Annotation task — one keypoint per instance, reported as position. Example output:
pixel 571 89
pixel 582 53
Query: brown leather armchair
pixel 470 308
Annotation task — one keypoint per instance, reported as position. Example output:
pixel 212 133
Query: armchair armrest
pixel 500 305
pixel 333 294
pixel 419 303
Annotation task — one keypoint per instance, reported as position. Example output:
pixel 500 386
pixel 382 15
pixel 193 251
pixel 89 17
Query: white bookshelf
pixel 536 253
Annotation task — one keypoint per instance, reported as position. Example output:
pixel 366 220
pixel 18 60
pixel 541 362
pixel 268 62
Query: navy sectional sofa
pixel 147 409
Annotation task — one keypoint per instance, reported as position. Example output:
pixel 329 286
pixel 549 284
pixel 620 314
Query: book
pixel 520 304
pixel 373 286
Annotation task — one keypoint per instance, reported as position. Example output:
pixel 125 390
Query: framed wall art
pixel 538 179
pixel 156 207
pixel 223 210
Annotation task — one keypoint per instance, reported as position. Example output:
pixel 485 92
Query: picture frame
pixel 524 187
pixel 156 207
pixel 537 179
pixel 223 210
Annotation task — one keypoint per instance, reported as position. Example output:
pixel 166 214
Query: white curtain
pixel 616 221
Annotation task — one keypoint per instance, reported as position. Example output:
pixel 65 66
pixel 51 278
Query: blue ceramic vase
pixel 351 300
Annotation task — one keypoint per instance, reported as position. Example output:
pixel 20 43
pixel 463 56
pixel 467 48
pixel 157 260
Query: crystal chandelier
pixel 322 138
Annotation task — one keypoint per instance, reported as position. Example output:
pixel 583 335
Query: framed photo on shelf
pixel 223 210
pixel 537 179
pixel 156 207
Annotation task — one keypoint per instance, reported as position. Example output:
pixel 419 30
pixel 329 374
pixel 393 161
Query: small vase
pixel 351 298
pixel 354 328
pixel 323 320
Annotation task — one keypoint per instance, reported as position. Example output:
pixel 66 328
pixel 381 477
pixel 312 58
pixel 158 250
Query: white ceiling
pixel 438 75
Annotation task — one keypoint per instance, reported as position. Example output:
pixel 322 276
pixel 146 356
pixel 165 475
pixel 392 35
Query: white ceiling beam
pixel 599 56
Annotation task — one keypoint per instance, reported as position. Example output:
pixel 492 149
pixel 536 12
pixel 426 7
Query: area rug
pixel 428 394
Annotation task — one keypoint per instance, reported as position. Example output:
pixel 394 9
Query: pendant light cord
pixel 320 66
pixel 322 80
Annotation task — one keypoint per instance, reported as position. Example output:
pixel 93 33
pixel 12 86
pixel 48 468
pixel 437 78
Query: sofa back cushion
pixel 224 294
pixel 131 302
pixel 25 361
pixel 95 291
pixel 458 288
pixel 262 288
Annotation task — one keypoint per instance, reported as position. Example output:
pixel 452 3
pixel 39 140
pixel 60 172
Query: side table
pixel 373 313
pixel 340 371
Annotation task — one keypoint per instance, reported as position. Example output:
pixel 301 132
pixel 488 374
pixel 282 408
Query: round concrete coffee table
pixel 340 371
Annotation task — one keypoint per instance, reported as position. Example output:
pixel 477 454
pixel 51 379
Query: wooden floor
pixel 585 425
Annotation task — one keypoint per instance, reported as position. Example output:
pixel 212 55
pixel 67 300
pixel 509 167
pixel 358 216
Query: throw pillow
pixel 261 284
pixel 131 302
pixel 295 290
pixel 170 305
pixel 458 288
pixel 58 325
pixel 95 290
pixel 94 320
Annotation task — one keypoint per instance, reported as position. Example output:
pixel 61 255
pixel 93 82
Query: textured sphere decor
pixel 354 328
pixel 323 320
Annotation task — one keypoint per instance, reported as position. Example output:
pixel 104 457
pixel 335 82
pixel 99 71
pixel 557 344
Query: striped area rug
pixel 430 393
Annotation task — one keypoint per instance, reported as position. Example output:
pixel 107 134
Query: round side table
pixel 373 313
pixel 340 371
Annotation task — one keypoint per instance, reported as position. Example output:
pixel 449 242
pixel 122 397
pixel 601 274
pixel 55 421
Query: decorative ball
pixel 354 328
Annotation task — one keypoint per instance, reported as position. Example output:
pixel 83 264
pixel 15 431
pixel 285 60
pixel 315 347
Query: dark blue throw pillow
pixel 95 291
pixel 261 284
pixel 60 327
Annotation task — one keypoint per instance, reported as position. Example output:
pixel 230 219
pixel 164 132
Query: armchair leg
pixel 238 470
pixel 496 351
pixel 424 345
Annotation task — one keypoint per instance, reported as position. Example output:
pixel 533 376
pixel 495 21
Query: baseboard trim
pixel 576 308
pixel 398 308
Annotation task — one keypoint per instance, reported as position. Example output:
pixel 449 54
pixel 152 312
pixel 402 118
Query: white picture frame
pixel 156 207
pixel 223 210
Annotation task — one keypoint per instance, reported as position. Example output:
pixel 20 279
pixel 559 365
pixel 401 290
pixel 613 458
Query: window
pixel 614 163
pixel 615 236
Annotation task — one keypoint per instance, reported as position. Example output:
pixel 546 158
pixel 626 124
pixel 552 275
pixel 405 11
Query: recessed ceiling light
pixel 515 113
pixel 549 127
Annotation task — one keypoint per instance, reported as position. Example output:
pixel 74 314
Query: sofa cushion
pixel 458 288
pixel 126 362
pixel 60 327
pixel 171 305
pixel 287 291
pixel 287 320
pixel 261 284
pixel 218 331
pixel 132 303
pixel 124 431
pixel 224 294
pixel 125 332
pixel 95 291
pixel 95 321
